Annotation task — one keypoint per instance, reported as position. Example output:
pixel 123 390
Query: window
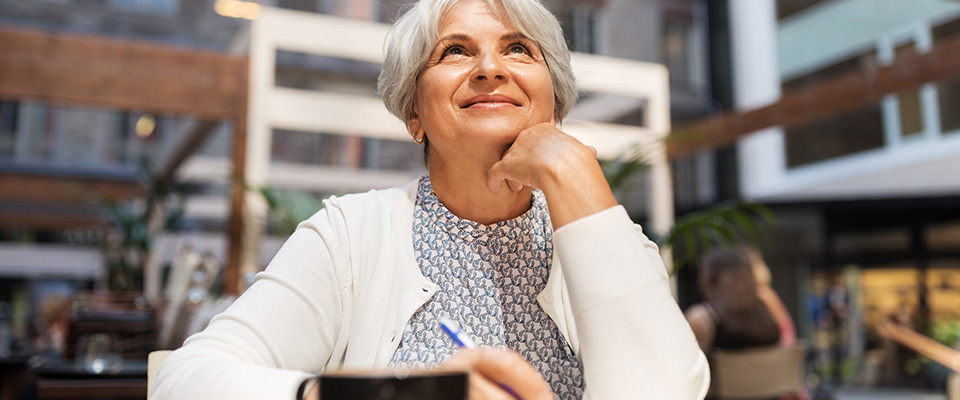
pixel 66 136
pixel 674 48
pixel 705 178
pixel 345 151
pixel 299 5
pixel 786 8
pixel 911 111
pixel 579 27
pixel 949 99
pixel 365 10
pixel 948 91
pixel 834 137
pixel 33 132
pixel 840 135
pixel 677 43
pixel 8 129
pixel 156 7
pixel 859 63
pixel 329 74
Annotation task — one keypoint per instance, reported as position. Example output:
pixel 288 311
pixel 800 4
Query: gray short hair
pixel 417 30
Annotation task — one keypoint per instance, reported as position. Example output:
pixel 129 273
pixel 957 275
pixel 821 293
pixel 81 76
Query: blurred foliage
pixel 287 208
pixel 135 223
pixel 946 331
pixel 725 224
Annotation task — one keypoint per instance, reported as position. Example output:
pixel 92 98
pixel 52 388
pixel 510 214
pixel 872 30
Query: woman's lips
pixel 491 105
pixel 490 101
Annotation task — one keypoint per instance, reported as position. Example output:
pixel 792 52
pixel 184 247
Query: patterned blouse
pixel 488 278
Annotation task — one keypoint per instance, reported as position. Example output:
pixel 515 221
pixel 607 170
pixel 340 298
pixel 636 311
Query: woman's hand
pixel 565 170
pixel 490 369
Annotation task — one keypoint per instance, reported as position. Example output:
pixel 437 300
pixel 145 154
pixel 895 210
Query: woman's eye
pixel 518 49
pixel 453 51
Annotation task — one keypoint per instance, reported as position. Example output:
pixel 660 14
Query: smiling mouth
pixel 490 101
pixel 486 104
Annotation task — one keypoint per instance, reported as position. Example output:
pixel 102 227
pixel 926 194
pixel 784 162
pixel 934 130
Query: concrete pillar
pixel 756 83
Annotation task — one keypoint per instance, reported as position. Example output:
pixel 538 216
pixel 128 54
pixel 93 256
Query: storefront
pixel 883 261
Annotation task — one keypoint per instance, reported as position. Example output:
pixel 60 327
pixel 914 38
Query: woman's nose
pixel 490 67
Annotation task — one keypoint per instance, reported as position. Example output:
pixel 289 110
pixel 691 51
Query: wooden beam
pixel 52 217
pixel 819 101
pixel 64 190
pixel 56 202
pixel 232 283
pixel 122 74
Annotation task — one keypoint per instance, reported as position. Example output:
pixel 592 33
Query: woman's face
pixel 483 84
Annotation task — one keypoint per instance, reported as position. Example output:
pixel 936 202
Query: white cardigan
pixel 341 290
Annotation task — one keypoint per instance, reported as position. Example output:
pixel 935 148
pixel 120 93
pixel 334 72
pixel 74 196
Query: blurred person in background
pixel 761 272
pixel 740 310
pixel 732 316
pixel 514 233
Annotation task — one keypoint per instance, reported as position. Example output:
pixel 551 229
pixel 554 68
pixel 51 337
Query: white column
pixel 756 83
pixel 257 168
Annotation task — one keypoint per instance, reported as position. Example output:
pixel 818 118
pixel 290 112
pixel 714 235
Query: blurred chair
pixel 153 366
pixel 763 373
pixel 124 317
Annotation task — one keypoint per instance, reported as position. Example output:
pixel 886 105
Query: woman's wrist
pixel 577 191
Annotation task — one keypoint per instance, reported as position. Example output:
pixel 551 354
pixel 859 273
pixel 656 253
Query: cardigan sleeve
pixel 282 330
pixel 634 341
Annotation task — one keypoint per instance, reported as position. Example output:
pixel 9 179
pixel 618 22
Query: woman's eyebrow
pixel 456 37
pixel 460 37
pixel 514 36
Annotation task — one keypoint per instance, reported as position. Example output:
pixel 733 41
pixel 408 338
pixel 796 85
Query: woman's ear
pixel 415 126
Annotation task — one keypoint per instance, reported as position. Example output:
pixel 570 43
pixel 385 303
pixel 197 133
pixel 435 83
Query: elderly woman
pixel 514 233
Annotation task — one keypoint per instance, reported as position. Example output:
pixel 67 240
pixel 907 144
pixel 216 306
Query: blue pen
pixel 452 329
pixel 459 337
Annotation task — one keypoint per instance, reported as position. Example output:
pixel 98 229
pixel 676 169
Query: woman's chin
pixel 495 128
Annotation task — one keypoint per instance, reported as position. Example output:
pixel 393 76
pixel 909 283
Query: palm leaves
pixel 724 224
pixel 718 226
pixel 287 208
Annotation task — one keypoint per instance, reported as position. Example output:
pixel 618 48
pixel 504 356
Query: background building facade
pixel 863 180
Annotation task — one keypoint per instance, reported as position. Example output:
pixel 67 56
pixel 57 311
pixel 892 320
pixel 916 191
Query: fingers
pixel 482 388
pixel 479 386
pixel 514 185
pixel 537 156
pixel 495 178
pixel 490 368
